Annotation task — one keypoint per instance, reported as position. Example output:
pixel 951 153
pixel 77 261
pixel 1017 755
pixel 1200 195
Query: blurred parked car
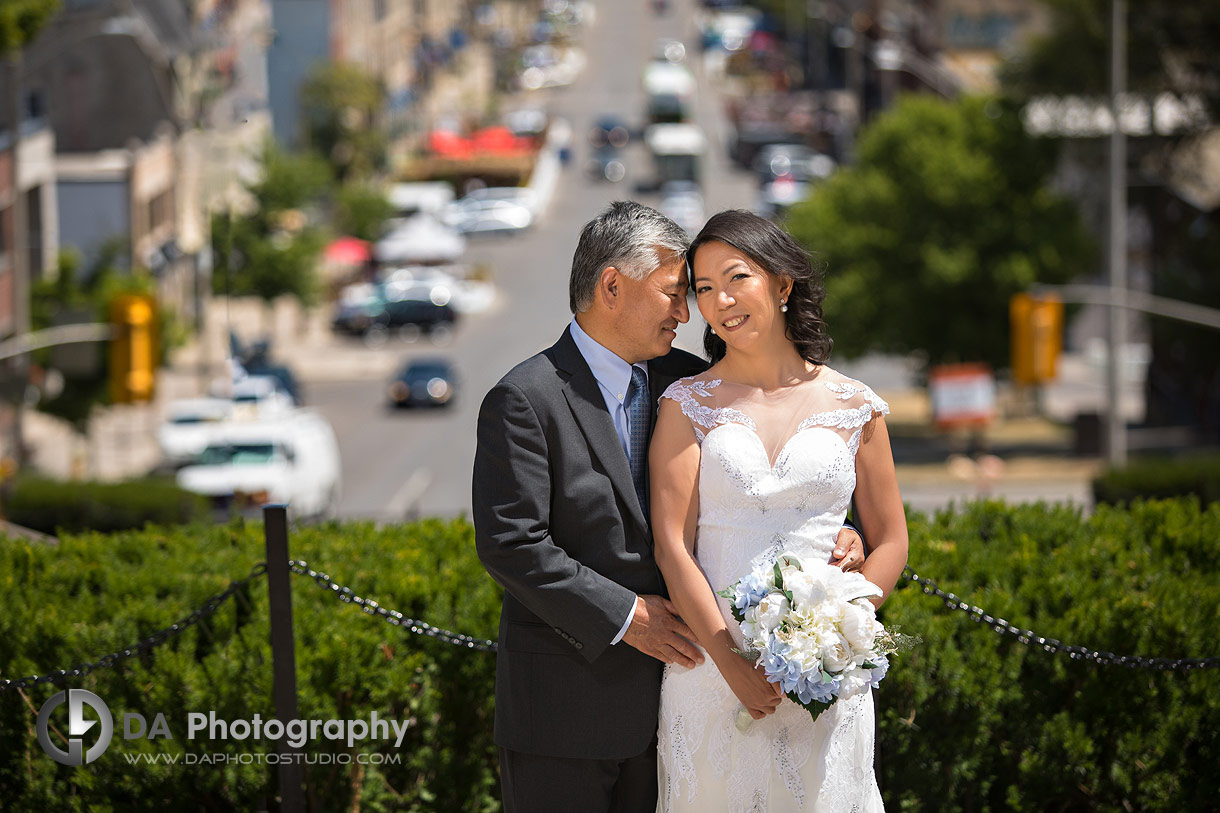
pixel 474 216
pixel 775 161
pixel 292 459
pixel 189 424
pixel 606 163
pixel 682 202
pixel 423 382
pixel 609 130
pixel 375 317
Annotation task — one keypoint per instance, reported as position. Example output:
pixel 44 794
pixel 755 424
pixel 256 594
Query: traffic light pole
pixel 1116 317
pixel 19 257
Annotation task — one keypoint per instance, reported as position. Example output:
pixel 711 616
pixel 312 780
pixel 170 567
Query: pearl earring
pixel 783 307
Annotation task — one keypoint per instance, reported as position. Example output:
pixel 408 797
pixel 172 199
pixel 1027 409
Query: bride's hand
pixel 758 695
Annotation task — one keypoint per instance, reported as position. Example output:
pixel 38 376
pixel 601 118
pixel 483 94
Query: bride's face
pixel 738 299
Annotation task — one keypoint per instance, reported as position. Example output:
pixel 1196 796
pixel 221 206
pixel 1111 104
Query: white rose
pixel 749 631
pixel 854 682
pixel 859 626
pixel 771 611
pixel 806 590
pixel 836 654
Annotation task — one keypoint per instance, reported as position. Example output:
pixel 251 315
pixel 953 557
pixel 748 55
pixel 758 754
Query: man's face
pixel 652 310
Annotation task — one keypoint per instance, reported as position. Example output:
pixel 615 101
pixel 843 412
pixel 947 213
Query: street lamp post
pixel 20 257
pixel 1116 319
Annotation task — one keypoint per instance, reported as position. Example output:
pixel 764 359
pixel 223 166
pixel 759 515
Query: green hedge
pixel 970 720
pixel 93 594
pixel 1160 478
pixel 51 506
pixel 976 721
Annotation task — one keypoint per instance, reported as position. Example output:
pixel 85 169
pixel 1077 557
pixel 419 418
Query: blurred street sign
pixel 961 395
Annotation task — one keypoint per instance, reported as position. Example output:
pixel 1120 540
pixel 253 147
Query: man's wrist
pixel 627 624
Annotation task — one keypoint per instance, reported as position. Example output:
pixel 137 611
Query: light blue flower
pixel 881 665
pixel 750 590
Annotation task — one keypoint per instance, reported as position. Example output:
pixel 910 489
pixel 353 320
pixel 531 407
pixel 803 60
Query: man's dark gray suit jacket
pixel 558 524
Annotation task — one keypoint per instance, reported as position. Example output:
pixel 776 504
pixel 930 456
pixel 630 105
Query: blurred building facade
pixel 416 50
pixel 135 96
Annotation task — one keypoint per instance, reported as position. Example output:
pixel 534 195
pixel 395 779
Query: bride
pixel 763 453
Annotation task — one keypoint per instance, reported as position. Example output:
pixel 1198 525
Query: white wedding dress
pixel 776 473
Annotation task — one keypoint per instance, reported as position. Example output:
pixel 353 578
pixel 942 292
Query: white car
pixel 471 216
pixel 189 424
pixel 292 459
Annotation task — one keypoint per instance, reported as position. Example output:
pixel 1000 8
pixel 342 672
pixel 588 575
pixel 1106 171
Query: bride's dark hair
pixel 773 250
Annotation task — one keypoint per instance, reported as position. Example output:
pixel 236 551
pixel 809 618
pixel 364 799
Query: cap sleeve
pixel 685 392
pixel 860 405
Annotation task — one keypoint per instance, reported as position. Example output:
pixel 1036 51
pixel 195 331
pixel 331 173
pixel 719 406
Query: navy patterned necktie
pixel 638 416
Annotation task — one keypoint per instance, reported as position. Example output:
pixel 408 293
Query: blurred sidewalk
pixel 1018 459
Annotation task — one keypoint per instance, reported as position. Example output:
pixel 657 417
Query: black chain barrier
pixel 151 642
pixel 1053 646
pixel 345 594
pixel 371 607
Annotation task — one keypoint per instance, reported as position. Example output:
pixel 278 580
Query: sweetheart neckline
pixel 771 464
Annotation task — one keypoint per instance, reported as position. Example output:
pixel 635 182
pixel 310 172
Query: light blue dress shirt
pixel 613 378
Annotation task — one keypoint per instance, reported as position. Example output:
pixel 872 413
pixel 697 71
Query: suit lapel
pixel 589 408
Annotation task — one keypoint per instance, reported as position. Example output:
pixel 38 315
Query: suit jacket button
pixel 579 645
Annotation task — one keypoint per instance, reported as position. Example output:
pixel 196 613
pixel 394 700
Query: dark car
pixel 606 163
pixel 423 382
pixel 375 319
pixel 609 131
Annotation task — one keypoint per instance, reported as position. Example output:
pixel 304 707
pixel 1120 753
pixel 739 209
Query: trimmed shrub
pixel 1160 478
pixel 972 720
pixel 51 506
pixel 94 594
pixel 969 720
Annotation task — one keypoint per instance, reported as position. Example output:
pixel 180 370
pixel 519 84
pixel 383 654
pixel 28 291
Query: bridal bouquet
pixel 813 630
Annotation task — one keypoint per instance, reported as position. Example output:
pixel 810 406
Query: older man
pixel 561 521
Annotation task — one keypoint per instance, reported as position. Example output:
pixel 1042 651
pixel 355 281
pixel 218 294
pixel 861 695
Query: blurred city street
pixel 398 463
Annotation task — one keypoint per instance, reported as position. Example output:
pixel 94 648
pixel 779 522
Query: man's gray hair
pixel 627 235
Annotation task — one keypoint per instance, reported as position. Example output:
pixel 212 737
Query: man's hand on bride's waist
pixel 657 630
pixel 848 553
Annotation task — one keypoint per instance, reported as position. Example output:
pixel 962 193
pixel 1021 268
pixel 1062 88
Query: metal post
pixel 20 259
pixel 283 655
pixel 1116 317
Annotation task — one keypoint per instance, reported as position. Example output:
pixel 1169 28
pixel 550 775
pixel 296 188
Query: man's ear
pixel 609 287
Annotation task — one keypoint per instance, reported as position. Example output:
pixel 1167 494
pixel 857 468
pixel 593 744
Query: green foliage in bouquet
pixel 1159 478
pixel 972 720
pixel 51 506
pixel 95 594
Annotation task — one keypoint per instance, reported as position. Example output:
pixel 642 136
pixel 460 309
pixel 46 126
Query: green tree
pixel 944 216
pixel 361 210
pixel 21 20
pixel 72 297
pixel 341 111
pixel 272 251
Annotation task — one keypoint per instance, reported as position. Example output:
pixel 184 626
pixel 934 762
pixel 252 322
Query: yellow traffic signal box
pixel 1036 337
pixel 133 348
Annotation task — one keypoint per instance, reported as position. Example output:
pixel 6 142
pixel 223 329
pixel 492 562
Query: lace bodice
pixel 751 502
pixel 775 473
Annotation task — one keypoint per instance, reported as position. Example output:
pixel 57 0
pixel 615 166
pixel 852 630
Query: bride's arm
pixel 882 518
pixel 674 473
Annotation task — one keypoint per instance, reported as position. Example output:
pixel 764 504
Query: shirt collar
pixel 610 371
